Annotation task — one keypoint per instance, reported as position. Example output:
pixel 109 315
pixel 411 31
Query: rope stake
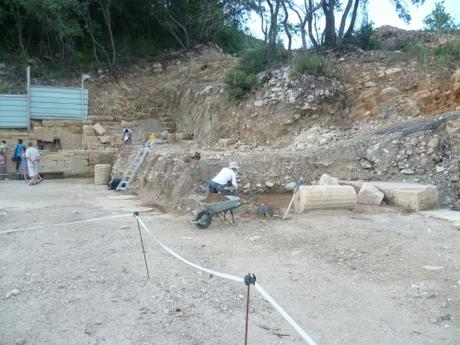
pixel 248 280
pixel 136 215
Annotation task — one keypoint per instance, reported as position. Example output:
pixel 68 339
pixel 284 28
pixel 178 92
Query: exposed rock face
pixel 401 152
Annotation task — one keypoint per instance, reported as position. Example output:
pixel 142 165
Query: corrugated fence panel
pixel 53 103
pixel 13 111
pixel 46 103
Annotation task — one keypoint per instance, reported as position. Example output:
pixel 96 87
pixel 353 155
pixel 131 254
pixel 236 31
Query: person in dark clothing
pixel 17 156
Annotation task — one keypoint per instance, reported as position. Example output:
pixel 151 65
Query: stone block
pixel 174 137
pixel 91 143
pixel 101 157
pixel 409 196
pixel 106 139
pixel 227 142
pixel 187 136
pixel 88 130
pixel 99 129
pixel 102 173
pixel 44 133
pixel 324 197
pixel 370 195
pixel 60 123
pixel 76 129
pixel 326 180
pixel 101 118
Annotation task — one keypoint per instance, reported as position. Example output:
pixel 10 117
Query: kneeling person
pixel 225 178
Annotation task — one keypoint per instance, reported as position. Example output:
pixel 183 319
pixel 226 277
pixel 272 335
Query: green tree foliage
pixel 311 63
pixel 239 83
pixel 439 19
pixel 105 32
pixel 364 37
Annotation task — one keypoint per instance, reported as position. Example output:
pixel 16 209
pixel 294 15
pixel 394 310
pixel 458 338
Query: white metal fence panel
pixel 53 103
pixel 13 111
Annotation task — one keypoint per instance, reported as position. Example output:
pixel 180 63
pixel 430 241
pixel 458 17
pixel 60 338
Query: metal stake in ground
pixel 136 214
pixel 248 280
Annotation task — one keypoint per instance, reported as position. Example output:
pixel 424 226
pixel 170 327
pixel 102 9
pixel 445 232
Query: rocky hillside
pixel 383 85
pixel 375 115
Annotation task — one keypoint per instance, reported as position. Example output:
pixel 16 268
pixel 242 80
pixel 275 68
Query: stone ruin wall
pixel 71 147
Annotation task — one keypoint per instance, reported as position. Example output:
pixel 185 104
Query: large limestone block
pixel 101 118
pixel 60 123
pixel 91 143
pixel 44 134
pixel 409 196
pixel 174 137
pixel 102 173
pixel 88 130
pixel 99 129
pixel 106 139
pixel 327 180
pixel 76 129
pixel 370 195
pixel 324 197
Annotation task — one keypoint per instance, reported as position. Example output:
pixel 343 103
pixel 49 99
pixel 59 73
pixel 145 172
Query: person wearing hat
pixel 127 136
pixel 225 178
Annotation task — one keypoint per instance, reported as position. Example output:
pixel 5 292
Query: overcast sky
pixel 382 12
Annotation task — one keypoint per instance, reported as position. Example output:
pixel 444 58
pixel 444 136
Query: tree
pixel 305 14
pixel 332 37
pixel 274 8
pixel 439 20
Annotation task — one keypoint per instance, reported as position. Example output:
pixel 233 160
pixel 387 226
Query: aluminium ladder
pixel 128 177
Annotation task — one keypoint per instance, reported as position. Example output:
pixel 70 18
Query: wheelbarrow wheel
pixel 203 219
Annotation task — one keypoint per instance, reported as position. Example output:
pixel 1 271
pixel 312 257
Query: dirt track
pixel 347 278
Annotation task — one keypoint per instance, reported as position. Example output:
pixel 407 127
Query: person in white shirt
pixel 127 136
pixel 225 178
pixel 33 160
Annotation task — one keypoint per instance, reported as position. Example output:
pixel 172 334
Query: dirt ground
pixel 373 276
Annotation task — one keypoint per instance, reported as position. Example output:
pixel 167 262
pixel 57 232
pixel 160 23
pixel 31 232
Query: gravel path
pixel 373 276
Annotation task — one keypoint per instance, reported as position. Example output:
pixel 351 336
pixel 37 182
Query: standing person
pixel 3 171
pixel 4 147
pixel 33 160
pixel 17 156
pixel 225 178
pixel 23 169
pixel 127 136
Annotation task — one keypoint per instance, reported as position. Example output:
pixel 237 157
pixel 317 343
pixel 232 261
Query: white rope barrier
pixel 259 288
pixel 231 277
pixel 67 223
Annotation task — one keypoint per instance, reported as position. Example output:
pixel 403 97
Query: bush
pixel 421 50
pixel 448 51
pixel 312 63
pixel 365 38
pixel 234 41
pixel 255 60
pixel 242 79
pixel 238 83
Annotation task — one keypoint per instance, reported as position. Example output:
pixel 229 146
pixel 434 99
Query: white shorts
pixel 33 169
